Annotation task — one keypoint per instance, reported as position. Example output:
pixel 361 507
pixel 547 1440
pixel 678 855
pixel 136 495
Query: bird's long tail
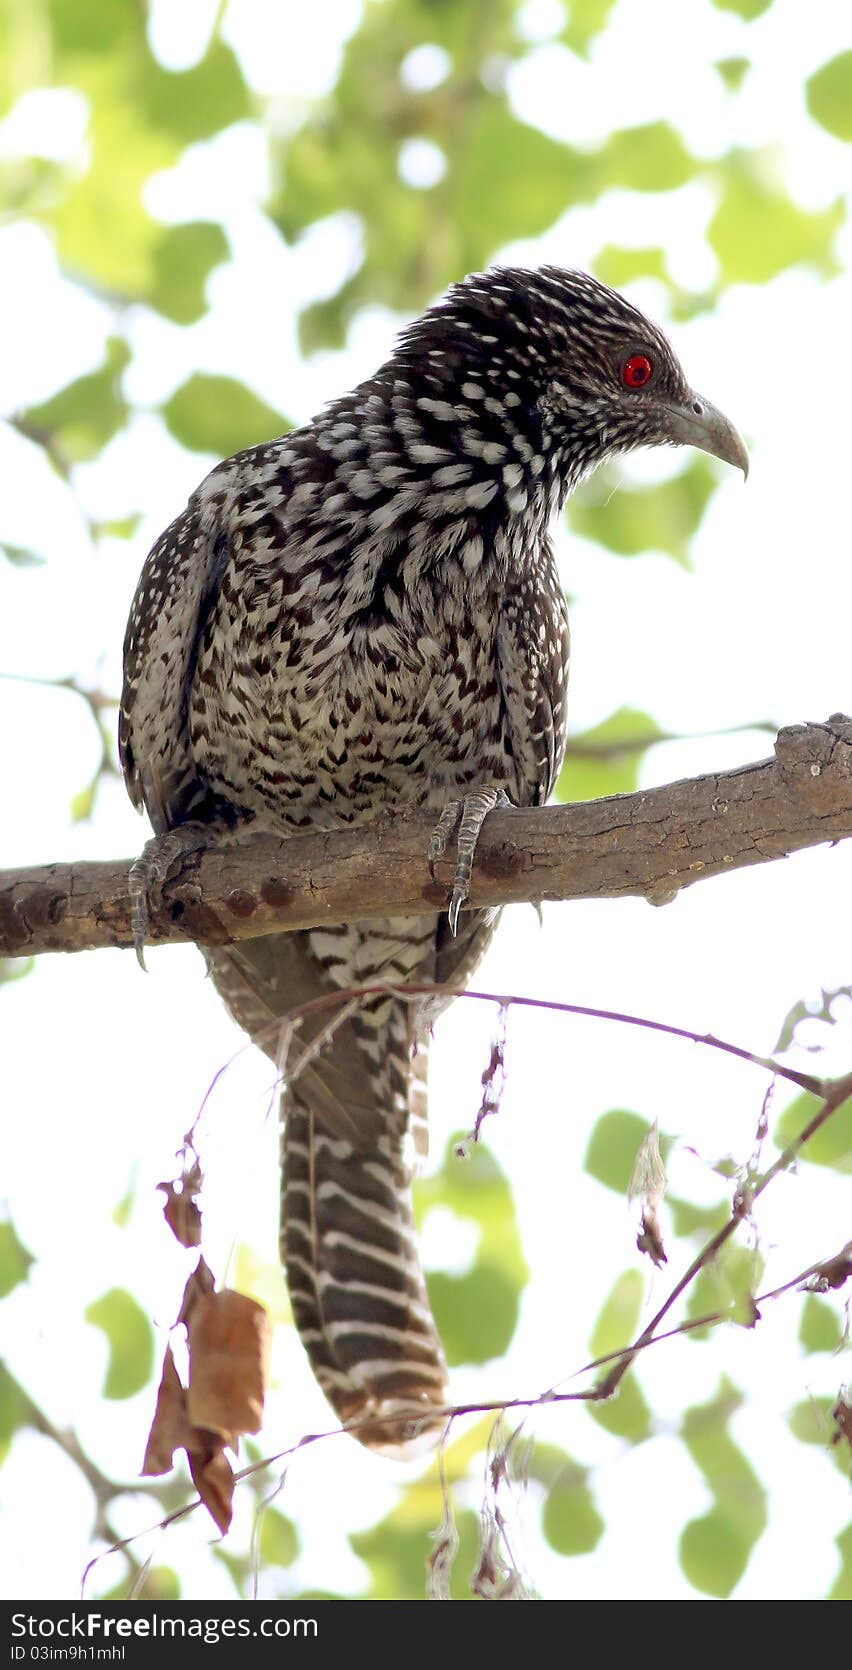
pixel 356 1287
pixel 352 1110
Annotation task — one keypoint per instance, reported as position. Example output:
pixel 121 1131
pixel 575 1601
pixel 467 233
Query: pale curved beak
pixel 697 423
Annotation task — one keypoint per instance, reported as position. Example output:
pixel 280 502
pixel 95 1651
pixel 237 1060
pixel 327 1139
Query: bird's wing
pixel 177 591
pixel 532 661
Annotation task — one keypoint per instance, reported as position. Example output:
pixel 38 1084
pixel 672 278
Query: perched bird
pixel 366 613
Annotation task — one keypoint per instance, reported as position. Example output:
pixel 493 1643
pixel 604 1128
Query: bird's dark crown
pixel 539 327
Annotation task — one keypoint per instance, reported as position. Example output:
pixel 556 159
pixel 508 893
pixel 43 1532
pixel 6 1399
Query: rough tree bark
pixel 650 844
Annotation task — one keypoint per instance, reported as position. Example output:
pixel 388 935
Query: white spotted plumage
pixel 364 614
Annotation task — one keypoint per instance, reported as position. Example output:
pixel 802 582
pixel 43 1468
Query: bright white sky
pixel 104 1070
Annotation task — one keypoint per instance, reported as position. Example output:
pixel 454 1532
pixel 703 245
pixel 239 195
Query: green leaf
pixel 652 157
pixel 748 10
pixel 20 556
pixel 238 1567
pixel 733 71
pixel 193 104
pixel 613 1146
pixel 726 1286
pixel 713 1553
pixel 570 1521
pixel 476 1314
pixel 715 1549
pixel 689 1219
pixel 123 1208
pixel 629 520
pixel 758 231
pixel 819 1327
pixel 586 20
pixel 627 1414
pixel 606 759
pixel 130 1339
pixel 83 803
pixel 86 414
pixel 15 1411
pixel 15 1260
pixel 809 1009
pixel 812 1422
pixel 92 27
pixel 278 1542
pixel 475 1189
pixel 617 266
pixel 396 1551
pixel 141 117
pixel 161 1583
pixel 220 415
pixel 118 527
pixel 828 94
pixel 511 181
pixel 102 230
pixel 831 1145
pixel 619 1314
pixel 841 1588
pixel 182 261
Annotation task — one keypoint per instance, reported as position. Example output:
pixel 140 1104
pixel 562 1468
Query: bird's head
pixel 600 376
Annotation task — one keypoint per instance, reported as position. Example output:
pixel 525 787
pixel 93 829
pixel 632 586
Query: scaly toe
pixel 151 869
pixel 470 814
pixel 443 832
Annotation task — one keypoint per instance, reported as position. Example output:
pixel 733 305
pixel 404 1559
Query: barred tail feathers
pixel 348 1244
pixel 354 1112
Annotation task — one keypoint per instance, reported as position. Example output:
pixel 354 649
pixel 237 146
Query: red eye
pixel 636 371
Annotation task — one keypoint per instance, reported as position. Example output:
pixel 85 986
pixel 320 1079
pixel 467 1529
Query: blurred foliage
pixel 607 759
pixel 15 1260
pixel 614 1145
pixel 715 1549
pixel 629 520
pixel 831 1145
pixel 829 96
pixel 726 1286
pixel 87 413
pixel 841 1588
pixel 570 1518
pixel 819 1328
pixel 220 415
pixel 812 1422
pixel 619 1315
pixel 130 1338
pixel 476 1312
pixel 496 178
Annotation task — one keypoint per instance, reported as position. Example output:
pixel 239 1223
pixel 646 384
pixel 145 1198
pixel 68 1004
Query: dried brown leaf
pixel 213 1478
pixel 842 1417
pixel 229 1340
pixel 182 1214
pixel 650 1238
pixel 200 1284
pixel 170 1428
pixel 833 1272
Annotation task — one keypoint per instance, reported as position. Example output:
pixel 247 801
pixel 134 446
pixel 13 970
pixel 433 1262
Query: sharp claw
pixel 150 871
pixel 470 813
pixel 137 888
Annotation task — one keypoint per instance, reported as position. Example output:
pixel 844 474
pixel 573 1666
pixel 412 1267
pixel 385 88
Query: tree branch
pixel 650 844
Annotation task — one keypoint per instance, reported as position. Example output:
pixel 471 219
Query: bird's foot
pixel 152 868
pixel 467 815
